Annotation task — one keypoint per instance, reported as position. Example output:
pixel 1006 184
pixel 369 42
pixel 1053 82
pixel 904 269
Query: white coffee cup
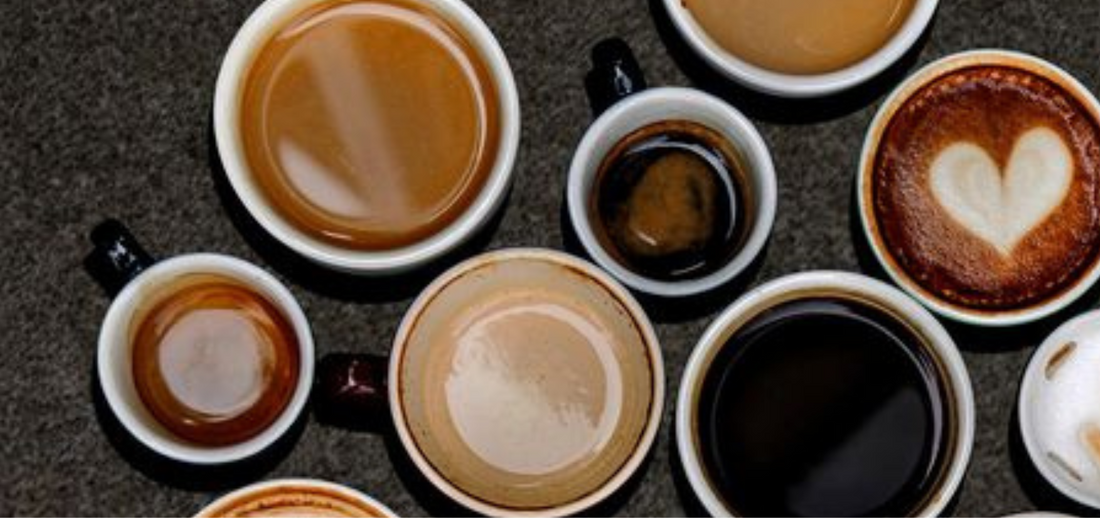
pixel 668 104
pixel 114 357
pixel 296 497
pixel 816 284
pixel 253 35
pixel 792 85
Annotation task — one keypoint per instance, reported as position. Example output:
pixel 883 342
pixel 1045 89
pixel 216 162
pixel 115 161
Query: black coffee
pixel 824 407
pixel 668 201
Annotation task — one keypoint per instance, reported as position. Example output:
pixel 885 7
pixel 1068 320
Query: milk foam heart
pixel 1002 207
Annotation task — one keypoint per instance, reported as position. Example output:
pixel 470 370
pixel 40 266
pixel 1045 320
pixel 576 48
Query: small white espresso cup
pixel 938 343
pixel 793 85
pixel 253 35
pixel 114 357
pixel 670 104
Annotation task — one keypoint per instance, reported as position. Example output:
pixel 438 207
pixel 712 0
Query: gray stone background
pixel 105 112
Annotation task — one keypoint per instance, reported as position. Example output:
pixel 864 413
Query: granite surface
pixel 105 112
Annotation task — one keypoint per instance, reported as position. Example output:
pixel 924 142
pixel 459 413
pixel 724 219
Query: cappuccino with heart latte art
pixel 984 186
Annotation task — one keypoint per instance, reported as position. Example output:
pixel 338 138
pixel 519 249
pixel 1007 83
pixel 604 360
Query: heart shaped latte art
pixel 1003 208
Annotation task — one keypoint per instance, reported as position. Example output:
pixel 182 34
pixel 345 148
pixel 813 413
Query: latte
pixel 984 185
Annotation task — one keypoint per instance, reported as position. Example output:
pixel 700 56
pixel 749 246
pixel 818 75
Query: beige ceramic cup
pixel 295 497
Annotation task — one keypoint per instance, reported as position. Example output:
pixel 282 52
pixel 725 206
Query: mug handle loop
pixel 117 258
pixel 351 391
pixel 615 75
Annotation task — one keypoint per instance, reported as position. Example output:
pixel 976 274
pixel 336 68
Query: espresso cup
pixel 860 66
pixel 295 497
pixel 662 211
pixel 825 393
pixel 1059 409
pixel 184 369
pixel 976 187
pixel 521 382
pixel 323 202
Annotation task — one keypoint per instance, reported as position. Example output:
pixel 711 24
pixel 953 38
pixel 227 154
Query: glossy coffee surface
pixel 823 407
pixel 798 36
pixel 369 124
pixel 986 188
pixel 291 499
pixel 526 385
pixel 213 361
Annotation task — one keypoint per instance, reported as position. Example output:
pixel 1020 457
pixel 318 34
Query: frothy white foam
pixel 1003 208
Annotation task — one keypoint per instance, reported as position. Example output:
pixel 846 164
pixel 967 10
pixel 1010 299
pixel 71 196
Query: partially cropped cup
pixel 203 358
pixel 369 136
pixel 977 186
pixel 521 382
pixel 825 394
pixel 295 497
pixel 671 190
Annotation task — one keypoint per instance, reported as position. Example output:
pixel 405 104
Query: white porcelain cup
pixel 655 105
pixel 792 85
pixel 296 497
pixel 940 348
pixel 114 357
pixel 253 35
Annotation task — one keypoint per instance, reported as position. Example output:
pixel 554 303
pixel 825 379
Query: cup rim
pixel 590 272
pixel 766 295
pixel 1028 383
pixel 794 85
pixel 752 145
pixel 253 35
pixel 113 335
pixel 313 483
pixel 869 225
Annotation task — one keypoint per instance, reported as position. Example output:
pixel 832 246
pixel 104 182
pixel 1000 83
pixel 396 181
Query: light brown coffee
pixel 986 187
pixel 369 124
pixel 213 361
pixel 801 36
pixel 291 499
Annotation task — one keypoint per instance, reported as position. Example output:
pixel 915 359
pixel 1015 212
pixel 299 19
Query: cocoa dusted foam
pixel 986 187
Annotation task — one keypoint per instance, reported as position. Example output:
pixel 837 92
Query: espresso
pixel 292 499
pixel 986 188
pixel 369 124
pixel 824 407
pixel 799 36
pixel 669 201
pixel 213 361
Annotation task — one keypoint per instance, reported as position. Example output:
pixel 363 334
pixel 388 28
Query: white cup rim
pixel 252 35
pixel 801 86
pixel 713 339
pixel 591 272
pixel 114 335
pixel 1033 376
pixel 897 98
pixel 749 142
pixel 312 483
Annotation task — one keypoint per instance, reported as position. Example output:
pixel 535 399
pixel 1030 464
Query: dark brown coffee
pixel 669 201
pixel 986 188
pixel 213 361
pixel 370 124
pixel 824 407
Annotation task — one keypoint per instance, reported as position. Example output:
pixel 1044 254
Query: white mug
pixel 253 35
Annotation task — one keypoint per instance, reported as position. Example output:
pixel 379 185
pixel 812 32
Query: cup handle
pixel 351 391
pixel 117 257
pixel 615 75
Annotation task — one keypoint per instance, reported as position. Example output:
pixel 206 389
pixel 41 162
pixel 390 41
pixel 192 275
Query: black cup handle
pixel 117 257
pixel 351 391
pixel 615 75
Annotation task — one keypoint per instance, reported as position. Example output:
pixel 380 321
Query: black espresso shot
pixel 669 201
pixel 824 407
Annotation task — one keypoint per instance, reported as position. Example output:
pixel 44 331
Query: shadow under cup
pixel 844 397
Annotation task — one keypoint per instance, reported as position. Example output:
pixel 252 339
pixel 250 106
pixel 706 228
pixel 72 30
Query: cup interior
pixel 863 290
pixel 115 366
pixel 526 382
pixel 295 497
pixel 668 104
pixel 260 27
pixel 865 186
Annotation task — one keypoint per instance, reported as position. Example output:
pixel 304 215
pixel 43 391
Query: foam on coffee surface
pixel 986 188
pixel 291 500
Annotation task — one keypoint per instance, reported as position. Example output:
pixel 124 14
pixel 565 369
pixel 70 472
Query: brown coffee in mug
pixel 369 124
pixel 213 361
